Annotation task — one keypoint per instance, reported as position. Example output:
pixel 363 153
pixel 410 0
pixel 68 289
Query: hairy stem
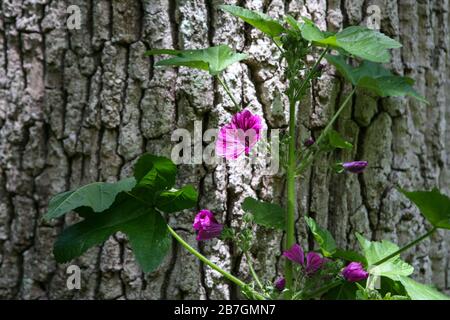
pixel 228 91
pixel 253 272
pixel 291 169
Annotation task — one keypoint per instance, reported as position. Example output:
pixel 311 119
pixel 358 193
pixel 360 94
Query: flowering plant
pixel 138 205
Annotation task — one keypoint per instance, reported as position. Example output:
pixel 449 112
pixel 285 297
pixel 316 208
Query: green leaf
pixel 155 173
pixel 311 32
pixel 434 205
pixel 177 200
pixel 337 141
pixel 149 239
pixel 145 228
pixel 98 196
pixel 258 20
pixel 419 291
pixel 356 40
pixel 345 291
pixel 374 77
pixel 366 43
pixel 213 59
pixel 374 251
pixel 323 238
pixel 267 214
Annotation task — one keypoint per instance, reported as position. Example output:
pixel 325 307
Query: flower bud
pixel 354 272
pixel 280 283
pixel 355 166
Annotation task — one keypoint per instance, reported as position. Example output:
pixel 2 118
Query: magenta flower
pixel 295 254
pixel 354 272
pixel 355 166
pixel 313 260
pixel 239 136
pixel 309 142
pixel 206 226
pixel 280 284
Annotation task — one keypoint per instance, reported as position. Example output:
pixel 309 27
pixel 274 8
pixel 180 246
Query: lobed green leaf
pixel 373 77
pixel 419 291
pixel 177 200
pixel 434 205
pixel 98 196
pixel 266 214
pixel 259 20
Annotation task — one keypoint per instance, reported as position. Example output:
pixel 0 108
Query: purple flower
pixel 239 136
pixel 355 166
pixel 309 142
pixel 354 272
pixel 295 254
pixel 206 226
pixel 280 284
pixel 313 260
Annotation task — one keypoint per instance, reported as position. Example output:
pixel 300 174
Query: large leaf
pixel 256 19
pixel 98 196
pixel 266 214
pixel 323 238
pixel 419 291
pixel 374 251
pixel 359 41
pixel 155 173
pixel 177 200
pixel 213 59
pixel 373 77
pixel 434 205
pixel 145 228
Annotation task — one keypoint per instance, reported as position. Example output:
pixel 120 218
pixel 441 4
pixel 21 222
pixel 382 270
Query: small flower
pixel 313 260
pixel 206 226
pixel 239 136
pixel 295 254
pixel 280 284
pixel 309 142
pixel 354 272
pixel 355 166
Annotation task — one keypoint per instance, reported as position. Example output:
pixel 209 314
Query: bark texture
pixel 78 106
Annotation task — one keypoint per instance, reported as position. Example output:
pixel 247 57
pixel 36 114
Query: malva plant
pixel 139 205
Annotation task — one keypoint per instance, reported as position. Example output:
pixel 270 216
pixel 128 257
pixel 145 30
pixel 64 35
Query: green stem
pixel 291 171
pixel 201 257
pixel 307 160
pixel 227 90
pixel 253 272
pixel 409 245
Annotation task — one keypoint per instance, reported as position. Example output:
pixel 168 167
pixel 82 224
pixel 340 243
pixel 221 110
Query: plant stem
pixel 409 245
pixel 291 170
pixel 253 272
pixel 227 90
pixel 212 265
pixel 322 136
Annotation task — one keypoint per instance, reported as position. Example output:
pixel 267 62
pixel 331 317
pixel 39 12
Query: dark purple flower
pixel 280 284
pixel 239 136
pixel 206 226
pixel 313 260
pixel 309 142
pixel 295 254
pixel 354 272
pixel 355 166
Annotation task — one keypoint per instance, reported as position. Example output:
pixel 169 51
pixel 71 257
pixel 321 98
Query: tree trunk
pixel 78 106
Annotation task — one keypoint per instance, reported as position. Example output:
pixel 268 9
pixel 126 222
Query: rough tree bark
pixel 78 106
